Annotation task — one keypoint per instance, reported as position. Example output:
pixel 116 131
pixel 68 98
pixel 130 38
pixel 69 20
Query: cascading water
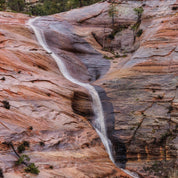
pixel 97 106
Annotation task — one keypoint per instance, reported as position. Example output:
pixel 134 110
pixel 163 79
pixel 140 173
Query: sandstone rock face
pixel 36 106
pixel 141 85
pixel 138 89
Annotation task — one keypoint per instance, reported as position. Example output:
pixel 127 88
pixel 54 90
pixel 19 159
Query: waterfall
pixel 97 106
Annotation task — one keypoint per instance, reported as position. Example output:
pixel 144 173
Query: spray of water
pixel 97 106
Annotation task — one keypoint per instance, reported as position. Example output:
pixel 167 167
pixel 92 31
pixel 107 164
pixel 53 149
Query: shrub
pixel 2 5
pixel 42 144
pixel 22 159
pixel 107 57
pixel 21 147
pixel 37 10
pixel 139 33
pixel 16 5
pixel 139 11
pixel 32 168
pixel 6 104
pixel 30 128
pixel 26 143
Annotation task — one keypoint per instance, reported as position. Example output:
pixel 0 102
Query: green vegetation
pixel 139 11
pixel 107 57
pixel 2 5
pixel 26 144
pixel 42 143
pixel 16 5
pixel 21 147
pixel 6 104
pixel 135 27
pixel 163 168
pixel 22 159
pixel 113 12
pixel 117 30
pixel 30 128
pixel 139 33
pixel 44 7
pixel 32 168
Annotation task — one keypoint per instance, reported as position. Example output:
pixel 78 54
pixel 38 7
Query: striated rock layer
pixel 36 104
pixel 139 92
pixel 138 88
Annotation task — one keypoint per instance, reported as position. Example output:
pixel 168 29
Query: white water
pixel 97 106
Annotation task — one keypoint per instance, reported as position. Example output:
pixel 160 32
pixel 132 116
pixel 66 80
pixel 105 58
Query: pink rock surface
pixel 141 86
pixel 40 98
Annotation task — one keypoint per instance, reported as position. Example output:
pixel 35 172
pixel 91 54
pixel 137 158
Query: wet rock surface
pixel 143 90
pixel 139 92
pixel 36 106
pixel 81 59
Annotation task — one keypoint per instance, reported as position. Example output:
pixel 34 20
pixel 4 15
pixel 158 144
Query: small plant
pixel 117 55
pixel 139 33
pixel 135 26
pixel 42 144
pixel 22 159
pixel 21 148
pixel 125 55
pixel 30 128
pixel 26 144
pixel 113 12
pixel 6 143
pixel 107 57
pixel 139 11
pixel 32 168
pixel 6 104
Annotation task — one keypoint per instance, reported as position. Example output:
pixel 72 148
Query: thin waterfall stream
pixel 97 106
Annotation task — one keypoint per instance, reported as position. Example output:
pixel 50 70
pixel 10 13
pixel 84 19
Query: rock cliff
pixel 139 92
pixel 135 74
pixel 36 104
